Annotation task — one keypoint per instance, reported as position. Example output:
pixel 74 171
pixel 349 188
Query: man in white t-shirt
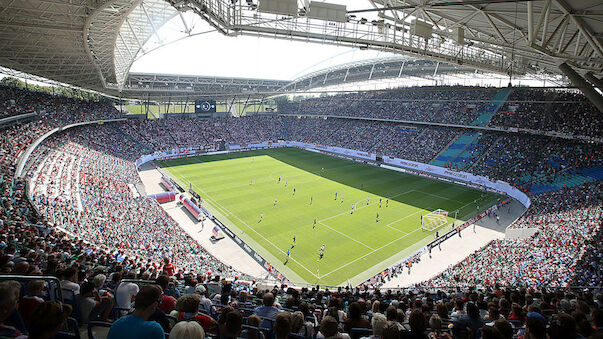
pixel 69 280
pixel 125 292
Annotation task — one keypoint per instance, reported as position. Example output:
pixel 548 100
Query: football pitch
pixel 268 197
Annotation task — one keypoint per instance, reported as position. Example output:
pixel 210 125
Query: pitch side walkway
pixel 456 249
pixel 452 251
pixel 225 250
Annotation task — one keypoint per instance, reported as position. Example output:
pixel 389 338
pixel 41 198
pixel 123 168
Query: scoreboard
pixel 205 106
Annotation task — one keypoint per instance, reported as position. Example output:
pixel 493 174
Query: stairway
pixel 453 152
pixel 459 152
pixel 495 103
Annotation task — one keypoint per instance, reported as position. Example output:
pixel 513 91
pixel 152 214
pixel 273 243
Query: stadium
pixel 301 169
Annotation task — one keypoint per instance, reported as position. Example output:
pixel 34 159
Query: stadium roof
pixel 92 43
pixel 374 69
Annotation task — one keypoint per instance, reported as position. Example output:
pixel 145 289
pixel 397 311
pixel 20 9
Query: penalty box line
pixel 347 236
pixel 258 233
pixel 391 242
pixel 363 206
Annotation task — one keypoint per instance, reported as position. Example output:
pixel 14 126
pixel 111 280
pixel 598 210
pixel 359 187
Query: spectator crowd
pixel 118 257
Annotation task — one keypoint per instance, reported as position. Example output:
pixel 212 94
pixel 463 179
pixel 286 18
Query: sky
pixel 213 54
pixel 210 53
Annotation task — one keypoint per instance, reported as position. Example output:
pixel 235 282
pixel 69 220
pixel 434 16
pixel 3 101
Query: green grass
pixel 357 246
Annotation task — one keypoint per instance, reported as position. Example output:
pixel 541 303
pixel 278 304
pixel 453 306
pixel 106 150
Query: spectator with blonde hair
pixel 187 330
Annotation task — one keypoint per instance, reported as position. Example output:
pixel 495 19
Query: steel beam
pixel 594 80
pixel 587 89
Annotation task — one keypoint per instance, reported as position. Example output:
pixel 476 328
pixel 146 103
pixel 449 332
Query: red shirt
pixel 169 269
pixel 203 320
pixel 167 303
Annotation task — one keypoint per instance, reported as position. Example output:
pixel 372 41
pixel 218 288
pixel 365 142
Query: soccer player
pixel 279 179
pixel 352 212
pixel 314 226
pixel 310 200
pixel 293 239
pixel 322 251
pixel 335 195
pixel 386 202
pixel 367 200
pixel 261 217
pixel 377 220
pixel 342 198
pixel 286 182
pixel 293 190
pixel 251 182
pixel 275 201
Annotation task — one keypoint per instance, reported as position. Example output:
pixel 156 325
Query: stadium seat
pixel 96 327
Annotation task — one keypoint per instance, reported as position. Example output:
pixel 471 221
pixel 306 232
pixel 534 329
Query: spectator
pixel 126 291
pixel 31 300
pixel 50 317
pixel 329 328
pixel 355 320
pixel 267 311
pixel 470 323
pixel 187 308
pixel 136 325
pixel 435 324
pixel 391 331
pixel 416 321
pixel 378 323
pixel 230 322
pixel 9 297
pixel 282 325
pixel 254 321
pixel 69 281
pixel 187 330
pixel 168 303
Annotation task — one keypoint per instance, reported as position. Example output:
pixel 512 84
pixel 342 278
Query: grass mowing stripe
pixel 251 228
pixel 347 236
pixel 224 181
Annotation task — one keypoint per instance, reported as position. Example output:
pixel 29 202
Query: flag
pixel 421 219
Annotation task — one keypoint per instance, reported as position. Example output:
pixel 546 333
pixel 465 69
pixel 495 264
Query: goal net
pixel 434 220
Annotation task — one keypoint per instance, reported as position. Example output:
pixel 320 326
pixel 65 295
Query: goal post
pixel 434 220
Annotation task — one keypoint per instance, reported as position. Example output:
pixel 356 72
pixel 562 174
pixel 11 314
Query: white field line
pixel 393 222
pixel 375 250
pixel 371 252
pixel 218 206
pixel 347 236
pixel 251 228
pixel 363 206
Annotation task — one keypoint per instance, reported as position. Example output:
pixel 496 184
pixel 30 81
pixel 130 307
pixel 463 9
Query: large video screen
pixel 205 106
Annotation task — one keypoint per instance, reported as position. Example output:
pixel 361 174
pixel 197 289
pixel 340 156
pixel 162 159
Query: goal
pixel 434 220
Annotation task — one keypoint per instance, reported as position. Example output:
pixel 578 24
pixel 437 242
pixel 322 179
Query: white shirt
pixel 70 285
pixel 124 294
